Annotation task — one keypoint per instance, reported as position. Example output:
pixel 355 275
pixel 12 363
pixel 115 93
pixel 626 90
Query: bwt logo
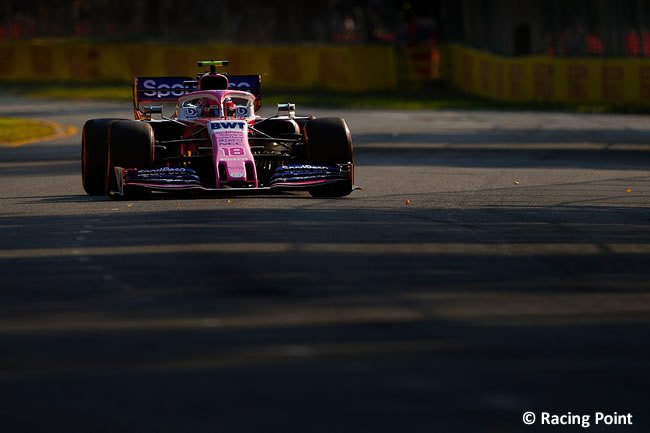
pixel 162 90
pixel 227 125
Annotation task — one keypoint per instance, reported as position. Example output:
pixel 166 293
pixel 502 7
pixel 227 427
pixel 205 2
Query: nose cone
pixel 233 157
pixel 236 170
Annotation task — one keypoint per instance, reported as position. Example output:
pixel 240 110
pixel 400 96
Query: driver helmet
pixel 229 106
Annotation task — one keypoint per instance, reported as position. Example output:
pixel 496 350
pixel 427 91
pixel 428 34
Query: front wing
pixel 286 177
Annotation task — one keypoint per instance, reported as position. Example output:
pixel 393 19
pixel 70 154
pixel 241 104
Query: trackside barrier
pixel 548 79
pixel 345 68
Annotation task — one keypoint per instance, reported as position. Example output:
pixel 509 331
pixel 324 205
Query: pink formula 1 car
pixel 214 142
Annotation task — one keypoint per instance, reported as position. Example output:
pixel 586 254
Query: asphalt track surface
pixel 517 279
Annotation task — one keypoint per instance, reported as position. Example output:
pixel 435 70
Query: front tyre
pixel 329 143
pixel 130 145
pixel 94 153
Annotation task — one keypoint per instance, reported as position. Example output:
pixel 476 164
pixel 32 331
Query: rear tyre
pixel 130 145
pixel 94 153
pixel 329 143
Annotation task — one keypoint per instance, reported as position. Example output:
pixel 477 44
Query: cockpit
pixel 216 104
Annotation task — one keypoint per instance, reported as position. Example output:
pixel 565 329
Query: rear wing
pixel 169 89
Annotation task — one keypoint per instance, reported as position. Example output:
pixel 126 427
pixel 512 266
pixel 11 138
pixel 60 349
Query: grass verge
pixel 14 131
pixel 435 96
pixel 70 90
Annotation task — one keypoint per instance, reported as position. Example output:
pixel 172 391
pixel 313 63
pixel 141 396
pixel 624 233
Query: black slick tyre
pixel 329 143
pixel 130 145
pixel 94 154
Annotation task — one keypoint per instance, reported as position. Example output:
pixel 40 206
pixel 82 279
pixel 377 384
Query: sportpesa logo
pixel 167 87
pixel 163 88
